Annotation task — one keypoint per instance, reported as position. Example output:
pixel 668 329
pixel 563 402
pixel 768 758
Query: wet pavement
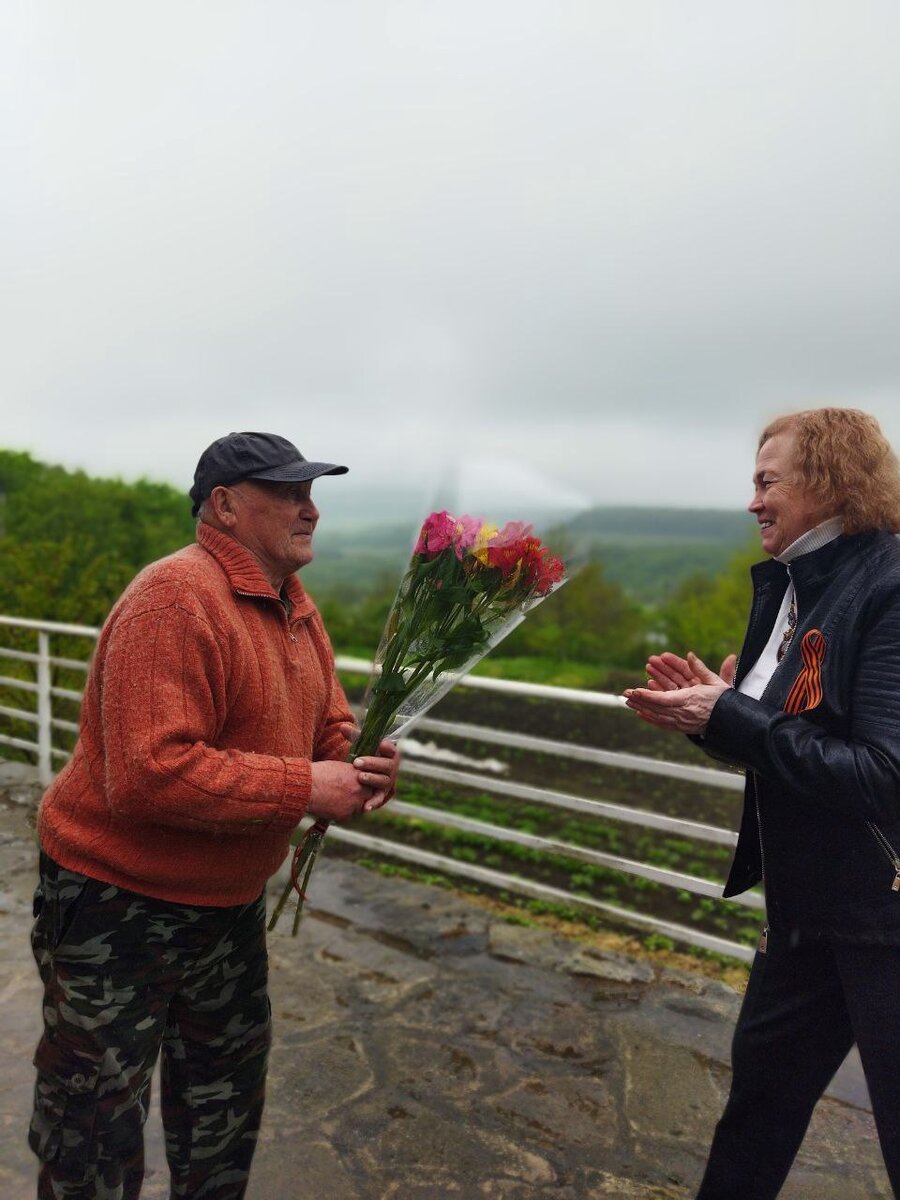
pixel 425 1047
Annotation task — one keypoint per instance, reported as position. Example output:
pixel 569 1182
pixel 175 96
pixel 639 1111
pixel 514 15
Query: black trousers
pixel 805 1006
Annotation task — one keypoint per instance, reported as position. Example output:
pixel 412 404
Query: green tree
pixel 708 614
pixel 590 619
pixel 70 543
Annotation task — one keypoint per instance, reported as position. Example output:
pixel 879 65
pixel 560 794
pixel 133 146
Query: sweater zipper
pixel 266 596
pixel 889 851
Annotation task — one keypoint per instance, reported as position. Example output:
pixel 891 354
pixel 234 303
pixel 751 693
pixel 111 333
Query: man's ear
pixel 221 500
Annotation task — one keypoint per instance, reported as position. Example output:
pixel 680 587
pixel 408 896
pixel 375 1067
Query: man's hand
pixel 341 790
pixel 681 693
pixel 337 792
pixel 379 773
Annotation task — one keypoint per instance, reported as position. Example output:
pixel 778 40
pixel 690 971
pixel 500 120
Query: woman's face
pixel 784 508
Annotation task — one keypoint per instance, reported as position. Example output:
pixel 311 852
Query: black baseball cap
pixel 253 456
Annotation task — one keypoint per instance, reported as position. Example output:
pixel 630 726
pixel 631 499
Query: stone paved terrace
pixel 426 1048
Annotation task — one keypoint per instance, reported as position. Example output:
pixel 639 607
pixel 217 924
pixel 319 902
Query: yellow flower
pixel 485 533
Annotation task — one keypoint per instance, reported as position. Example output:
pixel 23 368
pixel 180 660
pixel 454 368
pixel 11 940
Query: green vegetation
pixel 634 842
pixel 708 614
pixel 651 552
pixel 70 543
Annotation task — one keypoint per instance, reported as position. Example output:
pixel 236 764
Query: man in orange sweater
pixel 212 722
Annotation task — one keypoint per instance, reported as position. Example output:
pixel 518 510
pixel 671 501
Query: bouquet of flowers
pixel 467 586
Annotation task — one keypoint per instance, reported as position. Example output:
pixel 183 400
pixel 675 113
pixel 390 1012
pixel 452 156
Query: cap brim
pixel 298 472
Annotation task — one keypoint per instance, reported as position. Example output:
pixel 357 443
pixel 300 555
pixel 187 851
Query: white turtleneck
pixel 755 681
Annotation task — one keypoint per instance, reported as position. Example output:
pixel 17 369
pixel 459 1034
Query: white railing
pixel 45 751
pixel 41 686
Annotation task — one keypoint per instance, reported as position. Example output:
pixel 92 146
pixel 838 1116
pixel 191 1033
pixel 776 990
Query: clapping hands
pixel 681 692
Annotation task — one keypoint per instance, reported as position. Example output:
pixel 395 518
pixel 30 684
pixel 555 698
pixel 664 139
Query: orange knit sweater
pixel 204 707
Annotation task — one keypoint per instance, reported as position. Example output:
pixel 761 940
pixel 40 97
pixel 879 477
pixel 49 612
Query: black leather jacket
pixel 821 816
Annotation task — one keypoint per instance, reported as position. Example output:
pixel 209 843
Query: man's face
pixel 275 521
pixel 784 508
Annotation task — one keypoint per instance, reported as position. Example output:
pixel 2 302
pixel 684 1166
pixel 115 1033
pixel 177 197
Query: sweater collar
pixel 815 568
pixel 244 573
pixel 813 539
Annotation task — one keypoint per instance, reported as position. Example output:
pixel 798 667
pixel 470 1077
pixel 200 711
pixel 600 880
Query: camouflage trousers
pixel 125 975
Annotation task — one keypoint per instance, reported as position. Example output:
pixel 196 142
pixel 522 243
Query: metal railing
pixel 41 715
pixel 42 688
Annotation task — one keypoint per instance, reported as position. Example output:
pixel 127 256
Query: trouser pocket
pixel 65 1109
pixel 59 899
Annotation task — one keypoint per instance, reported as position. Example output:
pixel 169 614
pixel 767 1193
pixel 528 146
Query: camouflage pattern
pixel 123 976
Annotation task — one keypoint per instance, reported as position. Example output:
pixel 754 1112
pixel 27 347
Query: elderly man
pixel 212 722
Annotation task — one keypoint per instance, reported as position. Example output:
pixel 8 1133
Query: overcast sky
pixel 598 242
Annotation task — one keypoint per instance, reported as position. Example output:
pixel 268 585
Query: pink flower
pixel 467 531
pixel 437 533
pixel 512 531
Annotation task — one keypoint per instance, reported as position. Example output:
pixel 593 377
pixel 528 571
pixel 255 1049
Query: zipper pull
pixel 763 946
pixel 895 886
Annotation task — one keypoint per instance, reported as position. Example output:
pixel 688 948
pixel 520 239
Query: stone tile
pixel 560 1032
pixel 429 1059
pixel 455 1149
pixel 424 1049
pixel 617 1187
pixel 833 1131
pixel 310 1077
pixel 304 998
pixel 557 1109
pixel 671 1102
pixel 836 1184
pixel 299 1166
pixel 523 944
pixel 602 964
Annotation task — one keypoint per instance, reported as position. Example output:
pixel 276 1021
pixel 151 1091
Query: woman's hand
pixel 681 692
pixel 668 671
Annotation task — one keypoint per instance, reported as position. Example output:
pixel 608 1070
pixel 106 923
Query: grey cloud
pixel 590 232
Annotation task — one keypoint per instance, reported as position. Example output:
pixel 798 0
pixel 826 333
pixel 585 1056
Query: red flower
pixel 550 571
pixel 529 562
pixel 508 558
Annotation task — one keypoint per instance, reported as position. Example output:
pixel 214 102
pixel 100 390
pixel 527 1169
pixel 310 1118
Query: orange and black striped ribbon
pixel 807 690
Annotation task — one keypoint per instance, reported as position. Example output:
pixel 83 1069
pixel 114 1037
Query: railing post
pixel 45 766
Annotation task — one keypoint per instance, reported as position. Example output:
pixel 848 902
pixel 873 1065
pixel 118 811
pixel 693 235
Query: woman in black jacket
pixel 812 713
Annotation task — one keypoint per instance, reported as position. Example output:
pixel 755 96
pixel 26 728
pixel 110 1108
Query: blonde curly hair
pixel 844 459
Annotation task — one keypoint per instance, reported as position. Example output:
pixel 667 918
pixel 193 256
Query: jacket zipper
pixel 762 853
pixel 889 851
pixel 763 945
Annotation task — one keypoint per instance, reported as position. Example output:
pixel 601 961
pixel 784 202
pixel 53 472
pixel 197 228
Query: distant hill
pixel 650 551
pixel 351 558
pixel 647 551
pixel 725 526
pixel 104 530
